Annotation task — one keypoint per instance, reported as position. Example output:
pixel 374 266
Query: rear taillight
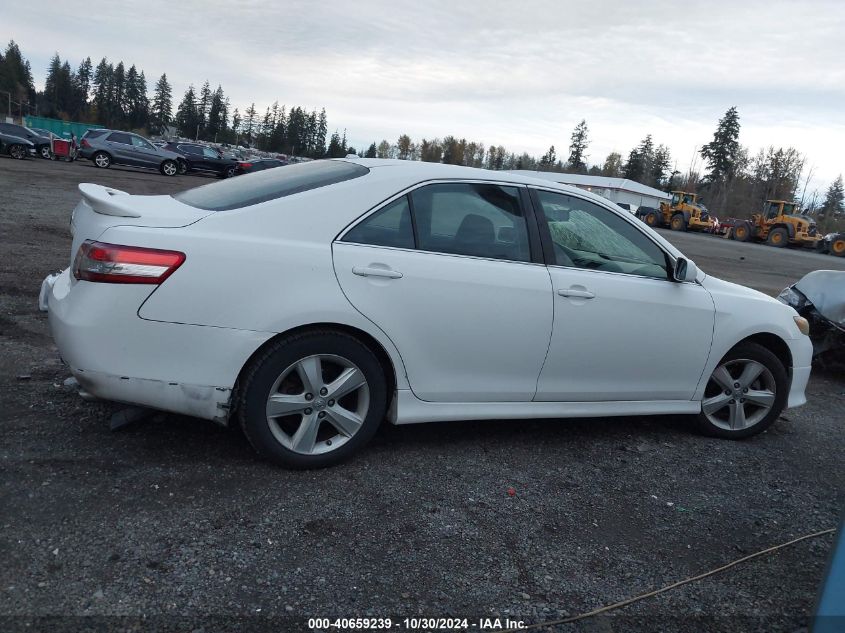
pixel 245 165
pixel 115 264
pixel 85 143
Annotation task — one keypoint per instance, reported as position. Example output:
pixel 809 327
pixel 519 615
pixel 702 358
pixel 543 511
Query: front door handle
pixel 364 271
pixel 574 292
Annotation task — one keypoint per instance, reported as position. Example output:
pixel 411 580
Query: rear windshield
pixel 243 191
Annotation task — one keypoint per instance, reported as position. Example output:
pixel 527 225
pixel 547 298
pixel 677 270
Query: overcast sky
pixel 519 74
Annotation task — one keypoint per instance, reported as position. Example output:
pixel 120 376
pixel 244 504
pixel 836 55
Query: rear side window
pixel 390 226
pixel 479 220
pixel 119 137
pixel 94 133
pixel 245 191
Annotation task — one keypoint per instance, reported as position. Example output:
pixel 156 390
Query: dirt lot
pixel 173 524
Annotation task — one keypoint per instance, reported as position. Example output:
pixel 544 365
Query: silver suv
pixel 108 147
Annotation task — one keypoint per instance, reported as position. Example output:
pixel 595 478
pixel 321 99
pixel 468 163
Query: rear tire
pixel 46 153
pixel 837 247
pixel 18 152
pixel 317 431
pixel 761 397
pixel 101 160
pixel 169 168
pixel 678 222
pixel 183 167
pixel 778 237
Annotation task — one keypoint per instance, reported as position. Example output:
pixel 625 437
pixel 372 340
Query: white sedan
pixel 310 303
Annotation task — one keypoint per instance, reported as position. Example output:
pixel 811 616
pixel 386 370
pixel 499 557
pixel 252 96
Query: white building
pixel 619 190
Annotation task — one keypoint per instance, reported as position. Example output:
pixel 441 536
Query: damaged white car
pixel 312 302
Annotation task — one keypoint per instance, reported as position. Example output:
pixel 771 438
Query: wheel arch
pixel 772 342
pixel 366 338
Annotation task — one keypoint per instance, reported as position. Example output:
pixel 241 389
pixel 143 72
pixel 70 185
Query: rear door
pixel 119 145
pixel 144 152
pixel 447 273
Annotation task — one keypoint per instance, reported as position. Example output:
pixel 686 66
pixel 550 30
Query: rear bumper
pixel 116 355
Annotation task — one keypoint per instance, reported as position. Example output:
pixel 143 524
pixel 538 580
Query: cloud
pixel 517 74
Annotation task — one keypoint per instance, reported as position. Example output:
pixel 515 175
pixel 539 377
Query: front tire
pixel 745 393
pixel 312 400
pixel 45 152
pixel 169 168
pixel 678 222
pixel 651 219
pixel 837 247
pixel 101 160
pixel 778 238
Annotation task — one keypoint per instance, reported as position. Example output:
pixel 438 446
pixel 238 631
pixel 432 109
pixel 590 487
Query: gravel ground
pixel 173 524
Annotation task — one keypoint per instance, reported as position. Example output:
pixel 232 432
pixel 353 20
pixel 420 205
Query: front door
pixel 453 285
pixel 622 329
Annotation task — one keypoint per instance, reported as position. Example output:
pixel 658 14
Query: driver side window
pixel 586 235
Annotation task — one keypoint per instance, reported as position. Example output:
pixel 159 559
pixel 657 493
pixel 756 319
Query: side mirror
pixel 685 270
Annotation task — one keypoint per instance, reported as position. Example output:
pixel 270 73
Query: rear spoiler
pixel 107 201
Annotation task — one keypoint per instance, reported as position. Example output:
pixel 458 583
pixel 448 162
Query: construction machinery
pixel 832 244
pixel 780 224
pixel 683 212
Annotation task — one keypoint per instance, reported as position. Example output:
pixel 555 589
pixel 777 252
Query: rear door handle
pixel 572 292
pixel 364 271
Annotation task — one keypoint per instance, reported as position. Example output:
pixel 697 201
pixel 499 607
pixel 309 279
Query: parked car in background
pixel 42 143
pixel 16 147
pixel 258 164
pixel 45 133
pixel 311 303
pixel 197 157
pixel 111 147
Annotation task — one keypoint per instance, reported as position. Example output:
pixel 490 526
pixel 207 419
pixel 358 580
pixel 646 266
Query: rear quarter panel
pixel 266 268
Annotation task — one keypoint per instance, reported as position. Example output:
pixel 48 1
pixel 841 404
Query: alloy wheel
pixel 101 160
pixel 170 168
pixel 17 152
pixel 739 394
pixel 318 404
pixel 45 152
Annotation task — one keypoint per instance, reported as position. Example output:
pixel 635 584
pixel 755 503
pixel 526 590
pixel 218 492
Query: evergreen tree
pixel 215 123
pixel 15 76
pixel 320 137
pixel 833 199
pixel 187 120
pixel 203 107
pixel 548 159
pixel 336 148
pixel 371 151
pixel 578 148
pixel 102 90
pixel 162 106
pixel 723 151
pixel 249 123
pixel 117 96
pixel 82 87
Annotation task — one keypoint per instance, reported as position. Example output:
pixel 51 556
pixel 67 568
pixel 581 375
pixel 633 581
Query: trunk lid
pixel 102 208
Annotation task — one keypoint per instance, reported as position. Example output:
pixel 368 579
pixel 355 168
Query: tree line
pixel 729 177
